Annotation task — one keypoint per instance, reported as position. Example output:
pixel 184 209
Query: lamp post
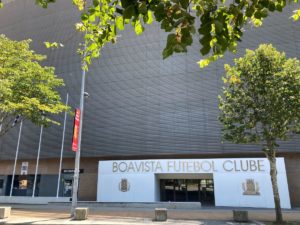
pixel 77 156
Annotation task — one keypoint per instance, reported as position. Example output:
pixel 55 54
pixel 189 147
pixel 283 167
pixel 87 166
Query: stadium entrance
pixel 234 182
pixel 187 190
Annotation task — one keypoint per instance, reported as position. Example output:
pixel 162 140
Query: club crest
pixel 124 185
pixel 250 187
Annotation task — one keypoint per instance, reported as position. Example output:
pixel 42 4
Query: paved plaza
pixel 50 214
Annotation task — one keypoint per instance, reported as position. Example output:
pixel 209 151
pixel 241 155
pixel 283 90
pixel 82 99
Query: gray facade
pixel 139 104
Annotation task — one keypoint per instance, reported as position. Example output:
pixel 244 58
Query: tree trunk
pixel 273 173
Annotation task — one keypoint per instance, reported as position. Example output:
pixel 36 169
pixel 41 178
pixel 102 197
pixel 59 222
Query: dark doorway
pixel 67 187
pixel 187 190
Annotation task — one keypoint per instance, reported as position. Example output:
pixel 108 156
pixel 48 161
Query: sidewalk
pixel 45 214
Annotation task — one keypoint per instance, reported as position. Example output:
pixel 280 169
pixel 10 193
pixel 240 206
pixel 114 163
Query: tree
pixel 220 28
pixel 261 104
pixel 27 90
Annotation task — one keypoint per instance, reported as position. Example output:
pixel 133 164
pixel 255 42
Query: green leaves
pixel 259 101
pixel 44 3
pixel 129 12
pixel 80 4
pixel 171 41
pixel 296 15
pixel 148 19
pixel 220 28
pixel 184 3
pixel 26 88
pixel 142 8
pixel 261 97
pixel 99 24
pixel 259 14
pixel 138 28
pixel 53 44
pixel 120 23
pixel 205 62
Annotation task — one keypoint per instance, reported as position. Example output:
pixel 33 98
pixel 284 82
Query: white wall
pixel 228 175
pixel 229 191
pixel 142 188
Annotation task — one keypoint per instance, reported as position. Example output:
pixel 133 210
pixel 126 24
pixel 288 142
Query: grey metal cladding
pixel 139 104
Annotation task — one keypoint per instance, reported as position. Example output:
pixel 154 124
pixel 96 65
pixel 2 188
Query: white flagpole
pixel 62 149
pixel 16 158
pixel 37 161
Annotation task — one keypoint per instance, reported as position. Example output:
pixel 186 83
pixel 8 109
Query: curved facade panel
pixel 139 104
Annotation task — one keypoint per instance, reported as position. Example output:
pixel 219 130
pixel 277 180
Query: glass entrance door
pixel 193 190
pixel 206 190
pixel 187 190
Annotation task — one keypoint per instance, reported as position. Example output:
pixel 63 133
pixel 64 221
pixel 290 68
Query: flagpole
pixel 62 149
pixel 37 161
pixel 16 158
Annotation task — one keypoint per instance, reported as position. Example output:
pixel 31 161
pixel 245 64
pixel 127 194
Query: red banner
pixel 76 130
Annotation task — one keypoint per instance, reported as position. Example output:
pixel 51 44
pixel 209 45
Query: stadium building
pixel 150 131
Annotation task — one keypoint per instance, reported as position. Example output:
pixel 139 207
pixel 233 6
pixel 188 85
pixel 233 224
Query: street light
pixel 77 156
pixel 86 95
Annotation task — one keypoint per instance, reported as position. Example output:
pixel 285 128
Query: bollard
pixel 4 212
pixel 81 213
pixel 240 216
pixel 161 214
